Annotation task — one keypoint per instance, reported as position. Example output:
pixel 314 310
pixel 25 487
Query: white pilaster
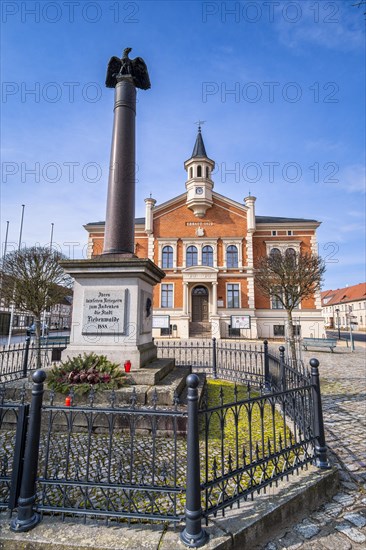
pixel 214 298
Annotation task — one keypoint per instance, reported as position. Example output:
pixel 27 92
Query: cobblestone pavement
pixel 341 523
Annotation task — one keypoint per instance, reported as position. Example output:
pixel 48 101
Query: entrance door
pixel 199 304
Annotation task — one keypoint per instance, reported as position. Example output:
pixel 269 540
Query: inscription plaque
pixel 105 311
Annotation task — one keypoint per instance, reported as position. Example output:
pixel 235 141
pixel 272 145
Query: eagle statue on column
pixel 136 68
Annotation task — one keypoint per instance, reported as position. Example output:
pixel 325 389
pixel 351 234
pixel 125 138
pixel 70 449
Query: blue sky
pixel 281 86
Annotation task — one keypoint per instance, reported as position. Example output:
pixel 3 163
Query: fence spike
pixel 112 399
pixel 133 398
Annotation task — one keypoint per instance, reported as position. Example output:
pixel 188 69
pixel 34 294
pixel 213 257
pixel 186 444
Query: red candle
pixel 127 365
pixel 68 402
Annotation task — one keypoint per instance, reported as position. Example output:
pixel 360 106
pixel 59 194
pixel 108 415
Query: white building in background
pixel 345 304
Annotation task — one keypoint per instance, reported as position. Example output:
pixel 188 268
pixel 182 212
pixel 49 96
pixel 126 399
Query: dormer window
pixel 199 171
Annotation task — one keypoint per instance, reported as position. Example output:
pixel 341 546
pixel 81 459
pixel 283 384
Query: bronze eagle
pixel 125 66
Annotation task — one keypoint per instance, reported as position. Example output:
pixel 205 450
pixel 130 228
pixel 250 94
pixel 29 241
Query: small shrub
pixel 85 372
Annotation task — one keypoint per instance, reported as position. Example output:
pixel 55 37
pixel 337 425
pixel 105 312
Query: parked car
pixel 44 328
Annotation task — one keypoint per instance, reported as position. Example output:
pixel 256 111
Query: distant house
pixel 58 317
pixel 343 305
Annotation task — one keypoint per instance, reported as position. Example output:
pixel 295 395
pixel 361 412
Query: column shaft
pixel 120 217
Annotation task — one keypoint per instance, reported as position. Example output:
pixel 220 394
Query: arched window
pixel 167 260
pixel 232 256
pixel 290 252
pixel 191 172
pixel 274 252
pixel 207 256
pixel 191 256
pixel 290 255
pixel 207 172
pixel 199 171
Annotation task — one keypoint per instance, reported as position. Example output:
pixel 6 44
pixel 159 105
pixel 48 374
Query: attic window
pixel 289 233
pixel 274 233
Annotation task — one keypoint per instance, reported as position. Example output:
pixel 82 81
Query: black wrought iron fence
pixel 113 462
pixel 13 428
pixel 230 360
pixel 250 443
pixel 133 462
pixel 18 360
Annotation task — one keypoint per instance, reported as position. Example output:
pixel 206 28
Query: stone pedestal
pixel 112 308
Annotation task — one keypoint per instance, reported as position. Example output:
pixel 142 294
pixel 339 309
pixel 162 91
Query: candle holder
pixel 127 365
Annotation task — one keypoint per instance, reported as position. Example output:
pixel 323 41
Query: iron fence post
pixel 26 354
pixel 321 460
pixel 193 535
pixel 267 384
pixel 214 358
pixel 27 518
pixel 282 367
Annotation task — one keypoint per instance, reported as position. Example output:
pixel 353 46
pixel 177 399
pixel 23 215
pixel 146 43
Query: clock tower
pixel 199 183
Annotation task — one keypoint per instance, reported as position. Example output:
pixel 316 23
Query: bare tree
pixel 33 280
pixel 289 278
pixel 359 4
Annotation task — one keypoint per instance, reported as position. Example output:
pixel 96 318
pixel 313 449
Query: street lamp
pixel 339 329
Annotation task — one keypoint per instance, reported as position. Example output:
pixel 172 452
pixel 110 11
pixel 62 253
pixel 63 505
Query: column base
pixel 23 525
pixel 194 541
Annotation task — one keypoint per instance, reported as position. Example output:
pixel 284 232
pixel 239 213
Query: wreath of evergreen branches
pixel 85 372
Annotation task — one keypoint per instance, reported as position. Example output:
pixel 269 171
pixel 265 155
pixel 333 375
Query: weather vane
pixel 200 122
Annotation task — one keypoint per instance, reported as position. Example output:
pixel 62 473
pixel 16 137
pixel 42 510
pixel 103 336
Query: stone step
pixel 201 387
pixel 152 373
pixel 173 383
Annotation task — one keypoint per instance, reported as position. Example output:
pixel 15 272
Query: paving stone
pixel 333 509
pixel 344 499
pixel 333 542
pixel 348 485
pixel 271 546
pixel 353 534
pixel 290 541
pixel 307 529
pixel 357 519
pixel 344 476
pixel 321 518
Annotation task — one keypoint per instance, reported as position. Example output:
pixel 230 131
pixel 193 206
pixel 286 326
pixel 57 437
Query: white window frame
pixel 283 246
pixel 173 296
pixel 227 300
pixel 239 245
pixel 167 242
pixel 199 244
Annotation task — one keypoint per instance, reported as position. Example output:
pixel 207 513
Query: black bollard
pixel 193 535
pixel 321 460
pixel 27 518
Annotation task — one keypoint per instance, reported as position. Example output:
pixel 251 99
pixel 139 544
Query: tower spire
pixel 199 147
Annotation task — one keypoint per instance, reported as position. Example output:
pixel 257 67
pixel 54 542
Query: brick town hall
pixel 207 244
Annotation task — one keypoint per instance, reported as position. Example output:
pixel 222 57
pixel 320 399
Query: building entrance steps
pixel 200 329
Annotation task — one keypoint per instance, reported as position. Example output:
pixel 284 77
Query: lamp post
pixel 339 329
